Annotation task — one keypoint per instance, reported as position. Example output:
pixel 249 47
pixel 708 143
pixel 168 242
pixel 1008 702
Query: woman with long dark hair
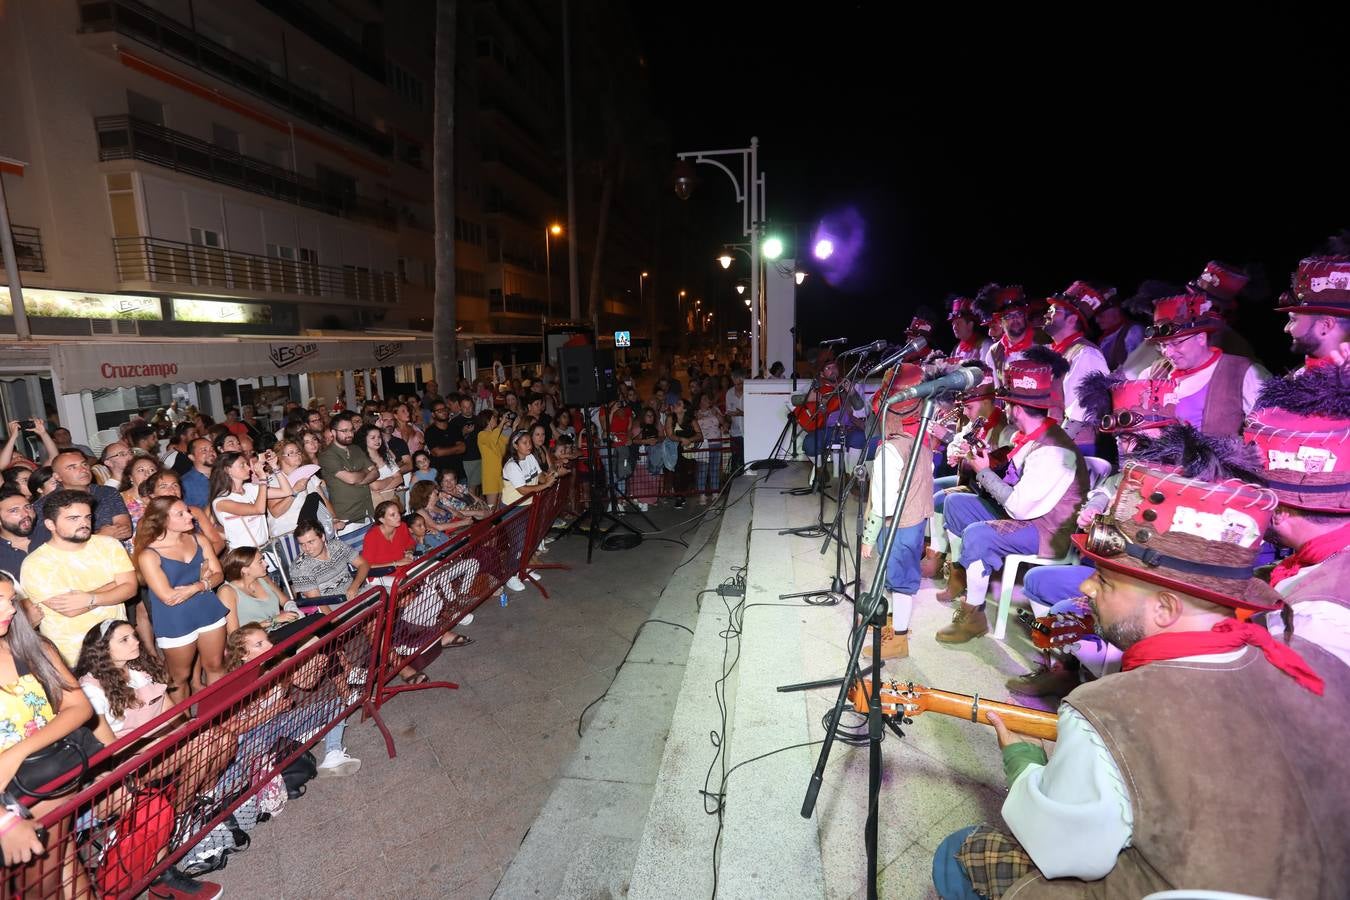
pixel 371 439
pixel 240 505
pixel 180 569
pixel 39 705
pixel 166 483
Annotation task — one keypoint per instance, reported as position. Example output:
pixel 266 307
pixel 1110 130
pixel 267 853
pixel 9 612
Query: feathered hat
pixel 1300 425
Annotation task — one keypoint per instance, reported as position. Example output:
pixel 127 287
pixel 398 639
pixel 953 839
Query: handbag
pixel 137 839
pixel 69 754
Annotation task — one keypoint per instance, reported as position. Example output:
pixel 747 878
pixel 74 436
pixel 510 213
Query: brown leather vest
pixel 1329 581
pixel 1223 413
pixel 1237 779
pixel 919 504
pixel 1055 526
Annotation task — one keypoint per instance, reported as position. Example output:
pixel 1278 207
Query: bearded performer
pixel 1301 426
pixel 1134 800
pixel 1319 308
pixel 1010 308
pixel 900 424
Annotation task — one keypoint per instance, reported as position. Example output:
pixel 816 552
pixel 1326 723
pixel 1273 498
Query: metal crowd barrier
pixel 142 814
pixel 700 470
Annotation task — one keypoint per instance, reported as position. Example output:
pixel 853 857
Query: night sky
pixel 979 149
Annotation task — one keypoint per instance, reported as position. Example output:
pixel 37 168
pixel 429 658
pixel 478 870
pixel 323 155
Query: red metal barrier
pixel 114 837
pixel 547 506
pixel 642 484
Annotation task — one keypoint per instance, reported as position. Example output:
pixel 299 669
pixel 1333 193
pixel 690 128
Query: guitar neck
pixel 1020 719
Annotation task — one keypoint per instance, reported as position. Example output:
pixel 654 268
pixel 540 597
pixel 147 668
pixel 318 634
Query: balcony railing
pixel 123 137
pixel 147 259
pixel 173 38
pixel 336 40
pixel 28 248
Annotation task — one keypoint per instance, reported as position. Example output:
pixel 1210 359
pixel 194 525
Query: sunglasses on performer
pixel 1165 330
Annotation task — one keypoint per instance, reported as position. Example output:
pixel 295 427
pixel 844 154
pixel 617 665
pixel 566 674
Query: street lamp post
pixel 551 231
pixel 750 194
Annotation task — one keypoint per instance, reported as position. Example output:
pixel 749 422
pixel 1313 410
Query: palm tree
pixel 443 175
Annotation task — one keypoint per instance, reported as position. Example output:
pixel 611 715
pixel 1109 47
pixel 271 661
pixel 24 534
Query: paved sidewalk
pixel 474 766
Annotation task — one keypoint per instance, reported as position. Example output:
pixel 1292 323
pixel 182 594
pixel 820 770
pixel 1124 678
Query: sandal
pixel 457 640
pixel 419 678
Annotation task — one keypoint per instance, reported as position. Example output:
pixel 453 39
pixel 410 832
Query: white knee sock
pixel 977 583
pixel 902 607
pixel 937 534
pixel 955 544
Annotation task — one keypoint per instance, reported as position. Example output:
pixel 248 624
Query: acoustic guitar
pixel 909 700
pixel 1057 632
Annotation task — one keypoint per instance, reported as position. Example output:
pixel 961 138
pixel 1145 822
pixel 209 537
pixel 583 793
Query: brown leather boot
pixel 967 624
pixel 931 564
pixel 1051 679
pixel 956 583
pixel 893 645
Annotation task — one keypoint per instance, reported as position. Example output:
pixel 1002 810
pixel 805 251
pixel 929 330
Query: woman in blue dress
pixel 181 571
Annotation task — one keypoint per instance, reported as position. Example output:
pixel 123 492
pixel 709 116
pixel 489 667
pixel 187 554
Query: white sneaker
pixel 467 620
pixel 337 763
pixel 357 675
pixel 642 507
pixel 515 584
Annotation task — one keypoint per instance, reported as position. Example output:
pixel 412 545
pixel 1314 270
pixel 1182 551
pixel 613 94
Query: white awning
pixel 99 364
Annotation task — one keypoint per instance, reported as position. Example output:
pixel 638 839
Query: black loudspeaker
pixel 587 376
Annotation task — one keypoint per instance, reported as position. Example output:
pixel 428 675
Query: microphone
pixel 834 342
pixel 962 379
pixel 918 345
pixel 874 347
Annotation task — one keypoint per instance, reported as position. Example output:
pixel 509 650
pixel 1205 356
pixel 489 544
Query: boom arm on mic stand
pixel 918 345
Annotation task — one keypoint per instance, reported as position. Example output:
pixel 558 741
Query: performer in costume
pixel 1066 321
pixel 1214 389
pixel 900 425
pixel 986 425
pixel 1130 801
pixel 965 324
pixel 1301 427
pixel 1028 511
pixel 1318 307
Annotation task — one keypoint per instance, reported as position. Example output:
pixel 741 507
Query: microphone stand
pixel 859 474
pixel 872 609
pixel 820 529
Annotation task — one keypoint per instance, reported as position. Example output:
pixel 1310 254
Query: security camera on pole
pixel 750 194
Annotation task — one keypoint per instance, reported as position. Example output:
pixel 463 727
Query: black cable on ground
pixel 631 644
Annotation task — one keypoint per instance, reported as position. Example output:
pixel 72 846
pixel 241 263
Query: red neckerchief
pixel 967 347
pixel 1311 553
pixel 1061 347
pixel 1313 362
pixel 1230 634
pixel 1178 374
pixel 1020 439
pixel 992 423
pixel 1021 345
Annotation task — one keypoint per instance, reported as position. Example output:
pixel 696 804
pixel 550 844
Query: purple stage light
pixel 837 242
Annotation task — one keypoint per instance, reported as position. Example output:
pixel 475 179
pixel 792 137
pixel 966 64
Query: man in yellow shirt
pixel 77 579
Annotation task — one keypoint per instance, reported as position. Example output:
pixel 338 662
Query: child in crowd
pixel 422 469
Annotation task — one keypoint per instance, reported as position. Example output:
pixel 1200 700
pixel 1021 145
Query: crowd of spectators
pixel 187 547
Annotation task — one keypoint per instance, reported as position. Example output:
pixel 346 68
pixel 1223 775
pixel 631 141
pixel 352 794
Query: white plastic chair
pixel 1098 470
pixel 1010 566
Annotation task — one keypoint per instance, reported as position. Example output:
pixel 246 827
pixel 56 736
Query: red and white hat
pixel 1221 282
pixel 1182 315
pixel 1080 297
pixel 1321 286
pixel 1030 383
pixel 1138 405
pixel 1301 426
pixel 919 325
pixel 985 390
pixel 1195 537
pixel 963 306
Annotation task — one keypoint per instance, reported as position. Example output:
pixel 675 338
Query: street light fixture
pixel 551 231
pixel 725 259
pixel 773 248
pixel 749 188
pixel 799 276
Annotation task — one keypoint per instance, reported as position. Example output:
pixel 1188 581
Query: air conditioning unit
pixel 115 327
